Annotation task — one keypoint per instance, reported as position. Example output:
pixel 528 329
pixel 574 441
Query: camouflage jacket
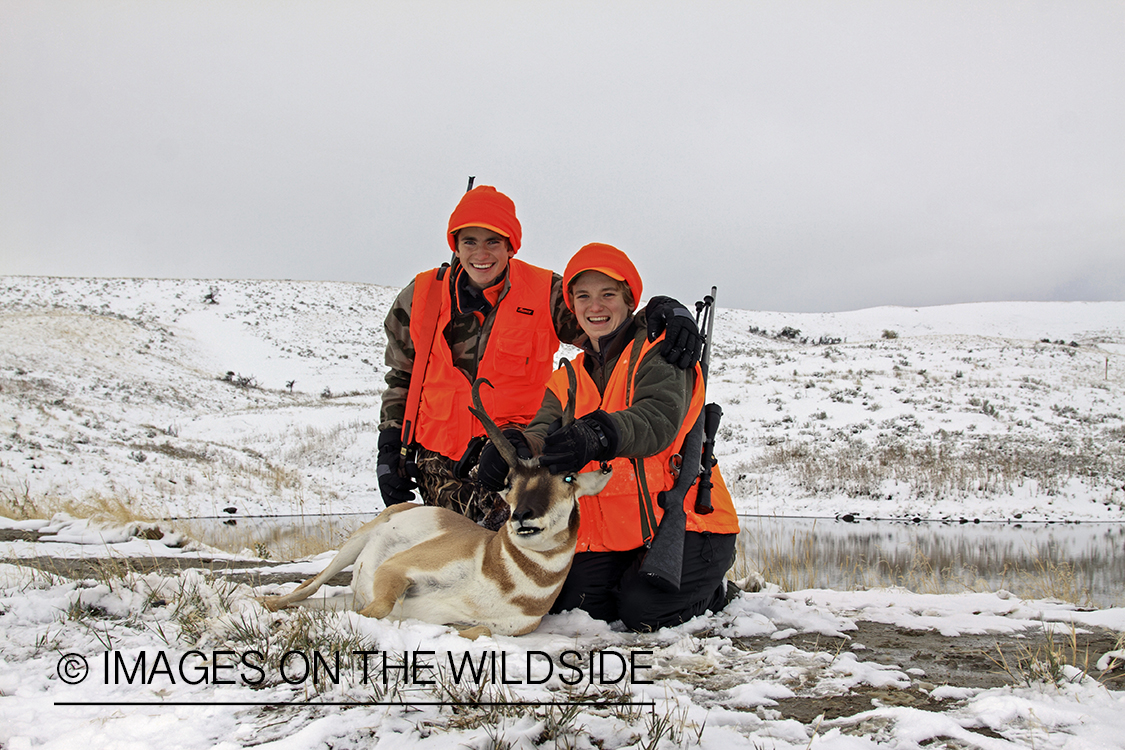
pixel 467 334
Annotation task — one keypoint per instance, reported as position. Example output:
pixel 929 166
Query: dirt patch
pixel 18 535
pixel 968 661
pixel 807 709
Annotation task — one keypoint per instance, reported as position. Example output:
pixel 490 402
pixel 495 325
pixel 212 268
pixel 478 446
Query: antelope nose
pixel 522 514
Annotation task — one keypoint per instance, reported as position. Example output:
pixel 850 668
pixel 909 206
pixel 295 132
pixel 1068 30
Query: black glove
pixel 682 341
pixel 394 485
pixel 469 458
pixel 492 469
pixel 591 438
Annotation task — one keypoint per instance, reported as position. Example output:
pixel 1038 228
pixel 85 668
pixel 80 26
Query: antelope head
pixel 540 501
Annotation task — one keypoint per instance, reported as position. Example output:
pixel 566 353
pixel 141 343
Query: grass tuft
pixel 1058 661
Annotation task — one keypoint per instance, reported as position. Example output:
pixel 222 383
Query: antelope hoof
pixel 475 632
pixel 272 603
pixel 377 610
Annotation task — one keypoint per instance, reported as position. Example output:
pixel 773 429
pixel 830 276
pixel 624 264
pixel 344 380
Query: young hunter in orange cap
pixel 633 411
pixel 487 315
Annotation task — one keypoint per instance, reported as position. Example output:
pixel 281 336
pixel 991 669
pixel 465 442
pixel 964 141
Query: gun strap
pixel 644 497
pixel 634 358
pixel 431 309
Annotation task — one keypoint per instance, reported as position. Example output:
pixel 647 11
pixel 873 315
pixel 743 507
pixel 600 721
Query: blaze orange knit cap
pixel 485 206
pixel 605 259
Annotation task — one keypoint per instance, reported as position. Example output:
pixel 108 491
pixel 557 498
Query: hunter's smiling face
pixel 484 255
pixel 599 304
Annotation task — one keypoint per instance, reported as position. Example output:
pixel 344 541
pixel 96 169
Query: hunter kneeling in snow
pixel 635 410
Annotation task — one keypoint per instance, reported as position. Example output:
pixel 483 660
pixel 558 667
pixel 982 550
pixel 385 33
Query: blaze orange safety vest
pixel 624 515
pixel 517 360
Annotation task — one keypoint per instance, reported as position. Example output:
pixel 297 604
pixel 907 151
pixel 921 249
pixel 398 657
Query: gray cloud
pixel 801 156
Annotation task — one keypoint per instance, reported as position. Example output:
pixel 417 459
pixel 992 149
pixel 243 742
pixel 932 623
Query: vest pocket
pixel 514 355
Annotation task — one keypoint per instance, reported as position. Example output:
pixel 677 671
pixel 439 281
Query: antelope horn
pixel 507 452
pixel 571 393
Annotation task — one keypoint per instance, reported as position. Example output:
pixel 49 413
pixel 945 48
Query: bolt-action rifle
pixel 664 560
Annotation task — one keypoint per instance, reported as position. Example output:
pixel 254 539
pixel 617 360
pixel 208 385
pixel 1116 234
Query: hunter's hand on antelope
pixel 492 469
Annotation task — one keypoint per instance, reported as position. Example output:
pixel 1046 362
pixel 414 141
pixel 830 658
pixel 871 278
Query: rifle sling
pixel 644 498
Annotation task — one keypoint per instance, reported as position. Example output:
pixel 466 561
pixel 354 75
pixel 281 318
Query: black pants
pixel 609 587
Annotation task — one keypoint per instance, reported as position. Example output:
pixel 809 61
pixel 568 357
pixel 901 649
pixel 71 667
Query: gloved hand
pixel 591 438
pixel 469 458
pixel 683 343
pixel 492 469
pixel 394 485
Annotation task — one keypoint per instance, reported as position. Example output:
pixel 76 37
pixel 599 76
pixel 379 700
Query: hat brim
pixel 607 271
pixel 489 227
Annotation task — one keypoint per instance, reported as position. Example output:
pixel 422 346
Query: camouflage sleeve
pixel 399 359
pixel 566 325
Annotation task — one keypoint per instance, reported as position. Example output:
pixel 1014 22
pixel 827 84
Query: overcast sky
pixel 802 156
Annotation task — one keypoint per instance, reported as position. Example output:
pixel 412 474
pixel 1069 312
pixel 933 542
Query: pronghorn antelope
pixel 435 565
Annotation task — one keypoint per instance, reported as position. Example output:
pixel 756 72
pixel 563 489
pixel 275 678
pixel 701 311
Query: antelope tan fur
pixel 435 565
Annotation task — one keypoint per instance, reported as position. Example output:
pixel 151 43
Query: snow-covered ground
pixel 151 394
pixel 72 674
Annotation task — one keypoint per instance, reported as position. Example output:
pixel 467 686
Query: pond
pixel 1082 563
pixel 1078 562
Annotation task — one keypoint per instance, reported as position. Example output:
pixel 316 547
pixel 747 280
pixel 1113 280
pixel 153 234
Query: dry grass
pixel 791 563
pixel 18 504
pixel 110 509
pixel 985 465
pixel 306 538
pixel 1059 660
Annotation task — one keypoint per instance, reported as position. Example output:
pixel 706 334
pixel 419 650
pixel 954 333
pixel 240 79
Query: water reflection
pixel 275 537
pixel 1082 563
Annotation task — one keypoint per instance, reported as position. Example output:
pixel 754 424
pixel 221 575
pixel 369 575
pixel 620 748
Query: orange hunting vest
pixel 624 515
pixel 517 360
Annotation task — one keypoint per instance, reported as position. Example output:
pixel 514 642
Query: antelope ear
pixel 590 482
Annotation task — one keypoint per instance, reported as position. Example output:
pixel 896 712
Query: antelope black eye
pixel 569 479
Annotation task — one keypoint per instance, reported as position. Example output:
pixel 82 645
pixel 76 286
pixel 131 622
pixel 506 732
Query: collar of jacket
pixel 601 363
pixel 468 299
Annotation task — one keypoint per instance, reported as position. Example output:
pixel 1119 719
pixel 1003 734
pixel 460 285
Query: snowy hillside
pixel 185 397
